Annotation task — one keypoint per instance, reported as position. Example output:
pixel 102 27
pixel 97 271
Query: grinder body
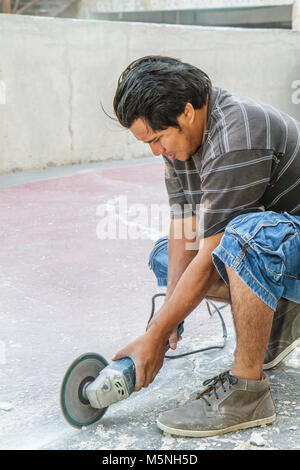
pixel 114 383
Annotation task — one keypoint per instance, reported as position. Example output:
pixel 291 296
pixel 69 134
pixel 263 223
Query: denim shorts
pixel 263 248
pixel 158 261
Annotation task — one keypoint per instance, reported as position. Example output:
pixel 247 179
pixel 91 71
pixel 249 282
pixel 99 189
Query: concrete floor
pixel 65 292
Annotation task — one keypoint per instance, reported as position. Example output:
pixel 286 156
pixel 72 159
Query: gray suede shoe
pixel 285 334
pixel 227 404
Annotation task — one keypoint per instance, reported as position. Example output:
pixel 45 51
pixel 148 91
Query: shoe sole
pixel 282 355
pixel 214 432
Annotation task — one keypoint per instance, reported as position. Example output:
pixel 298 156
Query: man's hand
pixel 173 339
pixel 147 353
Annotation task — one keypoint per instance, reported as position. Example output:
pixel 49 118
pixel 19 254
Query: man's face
pixel 173 142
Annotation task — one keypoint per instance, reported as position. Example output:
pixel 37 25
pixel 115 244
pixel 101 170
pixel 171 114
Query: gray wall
pixel 87 6
pixel 54 72
pixel 261 17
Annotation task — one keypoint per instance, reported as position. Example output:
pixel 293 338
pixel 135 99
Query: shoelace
pixel 213 383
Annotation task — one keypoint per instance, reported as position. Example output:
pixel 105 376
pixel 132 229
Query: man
pixel 232 174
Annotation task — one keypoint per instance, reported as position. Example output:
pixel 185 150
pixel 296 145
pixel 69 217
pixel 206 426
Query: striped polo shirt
pixel 249 161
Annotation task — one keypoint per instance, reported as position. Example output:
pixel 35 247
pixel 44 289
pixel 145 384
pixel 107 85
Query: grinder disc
pixel 75 406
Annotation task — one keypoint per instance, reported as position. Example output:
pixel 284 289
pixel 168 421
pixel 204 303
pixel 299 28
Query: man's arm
pixel 190 289
pixel 182 232
pixel 182 235
pixel 148 350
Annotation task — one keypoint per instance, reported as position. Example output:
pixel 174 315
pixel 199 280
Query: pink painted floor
pixel 65 292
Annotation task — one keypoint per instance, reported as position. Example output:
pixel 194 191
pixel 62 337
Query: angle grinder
pixel 91 384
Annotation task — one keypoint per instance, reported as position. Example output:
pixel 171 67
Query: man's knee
pixel 238 246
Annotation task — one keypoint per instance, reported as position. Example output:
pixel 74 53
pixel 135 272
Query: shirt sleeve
pixel 232 184
pixel 179 206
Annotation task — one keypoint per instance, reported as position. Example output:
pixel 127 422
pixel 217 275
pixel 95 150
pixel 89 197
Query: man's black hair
pixel 157 89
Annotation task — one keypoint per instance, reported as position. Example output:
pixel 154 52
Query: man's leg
pixel 253 323
pixel 285 332
pixel 241 398
pixel 219 292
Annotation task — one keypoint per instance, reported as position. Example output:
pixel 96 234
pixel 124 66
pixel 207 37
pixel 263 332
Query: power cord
pixel 209 305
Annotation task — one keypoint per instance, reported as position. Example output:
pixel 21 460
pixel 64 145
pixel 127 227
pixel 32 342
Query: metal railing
pixel 36 7
pixel 13 6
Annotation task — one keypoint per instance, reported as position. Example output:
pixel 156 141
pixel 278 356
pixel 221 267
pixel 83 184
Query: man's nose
pixel 157 148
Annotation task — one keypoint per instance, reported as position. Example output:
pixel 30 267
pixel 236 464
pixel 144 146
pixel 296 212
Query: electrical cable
pixel 209 304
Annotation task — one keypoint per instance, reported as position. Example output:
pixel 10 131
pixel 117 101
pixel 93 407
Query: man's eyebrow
pixel 152 140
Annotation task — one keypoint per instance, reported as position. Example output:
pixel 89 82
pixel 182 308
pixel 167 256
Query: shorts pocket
pixel 270 236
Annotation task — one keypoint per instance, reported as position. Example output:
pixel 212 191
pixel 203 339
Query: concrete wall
pixel 261 13
pixel 87 6
pixel 260 17
pixel 54 72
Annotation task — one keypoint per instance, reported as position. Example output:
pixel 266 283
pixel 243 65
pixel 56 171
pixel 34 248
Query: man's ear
pixel 187 118
pixel 189 113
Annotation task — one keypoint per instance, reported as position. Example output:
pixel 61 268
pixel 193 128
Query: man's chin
pixel 181 157
pixel 184 158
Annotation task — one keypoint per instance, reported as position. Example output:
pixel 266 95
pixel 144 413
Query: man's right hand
pixel 147 353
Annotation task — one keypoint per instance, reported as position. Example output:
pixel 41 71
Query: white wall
pixel 54 72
